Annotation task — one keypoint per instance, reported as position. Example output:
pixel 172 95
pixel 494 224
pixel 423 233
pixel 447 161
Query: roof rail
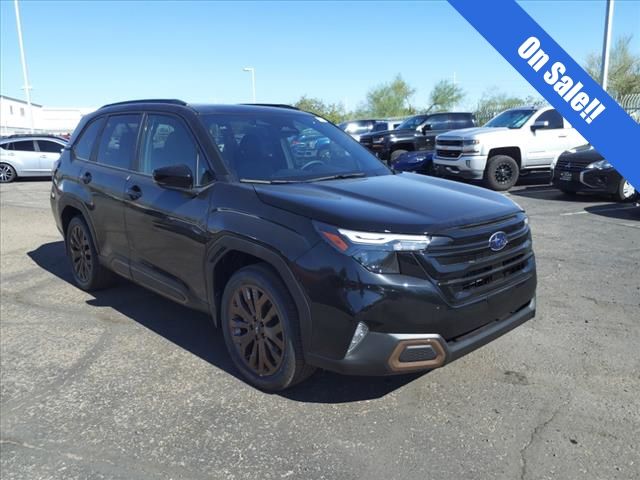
pixel 172 101
pixel 275 105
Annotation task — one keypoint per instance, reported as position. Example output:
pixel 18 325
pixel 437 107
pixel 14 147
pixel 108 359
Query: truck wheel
pixel 7 173
pixel 626 192
pixel 395 154
pixel 501 173
pixel 261 331
pixel 87 271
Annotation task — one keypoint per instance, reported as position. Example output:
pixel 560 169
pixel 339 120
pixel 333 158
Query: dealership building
pixel 15 117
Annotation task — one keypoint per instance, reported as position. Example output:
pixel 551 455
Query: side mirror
pixel 174 176
pixel 539 125
pixel 426 128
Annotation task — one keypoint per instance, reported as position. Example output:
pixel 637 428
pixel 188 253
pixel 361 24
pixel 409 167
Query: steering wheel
pixel 312 163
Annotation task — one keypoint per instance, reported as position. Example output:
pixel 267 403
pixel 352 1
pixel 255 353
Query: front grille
pixel 449 143
pixel 465 267
pixel 570 165
pixel 448 153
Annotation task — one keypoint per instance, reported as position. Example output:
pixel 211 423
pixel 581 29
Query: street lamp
pixel 606 45
pixel 27 87
pixel 253 80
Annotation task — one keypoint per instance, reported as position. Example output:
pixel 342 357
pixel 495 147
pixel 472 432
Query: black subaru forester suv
pixel 337 263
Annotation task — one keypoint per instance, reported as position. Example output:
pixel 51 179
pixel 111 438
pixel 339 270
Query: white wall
pixel 14 117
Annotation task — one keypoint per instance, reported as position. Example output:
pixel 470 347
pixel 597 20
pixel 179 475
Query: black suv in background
pixel 415 133
pixel 332 262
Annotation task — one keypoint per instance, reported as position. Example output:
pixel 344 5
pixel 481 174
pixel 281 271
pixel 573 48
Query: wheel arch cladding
pixel 513 152
pixel 230 253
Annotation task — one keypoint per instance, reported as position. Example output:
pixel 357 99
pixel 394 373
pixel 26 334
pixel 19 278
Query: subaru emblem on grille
pixel 498 241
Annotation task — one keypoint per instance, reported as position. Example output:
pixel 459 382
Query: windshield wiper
pixel 338 176
pixel 267 182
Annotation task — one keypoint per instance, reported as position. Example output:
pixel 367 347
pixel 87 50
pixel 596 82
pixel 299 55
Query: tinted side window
pixel 24 146
pixel 553 117
pixel 84 145
pixel 118 141
pixel 169 142
pixel 461 120
pixel 49 147
pixel 438 122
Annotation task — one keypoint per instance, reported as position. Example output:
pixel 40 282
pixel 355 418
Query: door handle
pixel 562 136
pixel 134 192
pixel 86 178
pixel 43 156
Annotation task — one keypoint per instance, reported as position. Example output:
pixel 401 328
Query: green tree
pixel 493 102
pixel 391 99
pixel 445 95
pixel 624 68
pixel 334 112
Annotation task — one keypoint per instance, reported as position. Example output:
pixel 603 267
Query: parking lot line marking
pixel 582 212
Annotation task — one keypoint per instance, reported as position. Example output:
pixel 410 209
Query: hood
pixel 402 203
pixel 473 132
pixel 584 154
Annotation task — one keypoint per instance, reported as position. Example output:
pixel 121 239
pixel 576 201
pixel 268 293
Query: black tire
pixel 395 154
pixel 278 362
pixel 626 192
pixel 7 173
pixel 86 269
pixel 501 173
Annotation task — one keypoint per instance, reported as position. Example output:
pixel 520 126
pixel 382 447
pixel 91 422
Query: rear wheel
pixel 7 173
pixel 626 192
pixel 261 329
pixel 502 173
pixel 87 271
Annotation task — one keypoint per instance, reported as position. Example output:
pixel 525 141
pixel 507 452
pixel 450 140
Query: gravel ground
pixel 124 384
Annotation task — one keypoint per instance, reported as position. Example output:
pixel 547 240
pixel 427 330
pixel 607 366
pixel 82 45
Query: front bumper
pixel 470 167
pixel 391 354
pixel 587 180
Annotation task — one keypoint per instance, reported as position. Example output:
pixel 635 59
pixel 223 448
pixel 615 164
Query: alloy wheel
pixel 6 173
pixel 256 330
pixel 504 173
pixel 628 190
pixel 80 250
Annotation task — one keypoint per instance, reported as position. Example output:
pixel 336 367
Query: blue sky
pixel 85 54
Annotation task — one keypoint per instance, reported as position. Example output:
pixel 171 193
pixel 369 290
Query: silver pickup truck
pixel 517 141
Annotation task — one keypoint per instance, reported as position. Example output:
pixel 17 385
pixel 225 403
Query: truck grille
pixel 449 143
pixel 448 153
pixel 465 267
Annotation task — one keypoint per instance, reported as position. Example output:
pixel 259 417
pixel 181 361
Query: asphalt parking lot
pixel 124 384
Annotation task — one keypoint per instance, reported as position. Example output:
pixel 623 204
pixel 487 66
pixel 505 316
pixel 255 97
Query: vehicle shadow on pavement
pixel 194 331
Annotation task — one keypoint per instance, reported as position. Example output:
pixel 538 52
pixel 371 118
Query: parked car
pixel 584 170
pixel 339 264
pixel 28 156
pixel 418 162
pixel 414 134
pixel 355 128
pixel 515 142
pixel 310 144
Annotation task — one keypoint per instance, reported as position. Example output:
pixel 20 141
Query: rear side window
pixel 438 122
pixel 118 141
pixel 461 120
pixel 84 145
pixel 49 146
pixel 24 146
pixel 168 142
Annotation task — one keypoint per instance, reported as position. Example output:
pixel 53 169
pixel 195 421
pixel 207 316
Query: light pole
pixel 253 80
pixel 604 74
pixel 27 87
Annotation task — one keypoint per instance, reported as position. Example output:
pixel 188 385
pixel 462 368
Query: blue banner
pixel 559 79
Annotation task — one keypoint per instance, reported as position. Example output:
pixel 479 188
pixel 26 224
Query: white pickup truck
pixel 515 142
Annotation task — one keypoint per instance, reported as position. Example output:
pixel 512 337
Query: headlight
pixel 378 139
pixel 601 165
pixel 471 146
pixel 374 251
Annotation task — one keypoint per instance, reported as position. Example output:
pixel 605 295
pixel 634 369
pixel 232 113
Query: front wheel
pixel 261 330
pixel 502 173
pixel 7 173
pixel 626 192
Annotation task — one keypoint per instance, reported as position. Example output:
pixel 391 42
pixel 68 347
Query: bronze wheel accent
pixel 80 251
pixel 256 330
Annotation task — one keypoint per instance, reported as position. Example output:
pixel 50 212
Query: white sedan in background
pixel 28 156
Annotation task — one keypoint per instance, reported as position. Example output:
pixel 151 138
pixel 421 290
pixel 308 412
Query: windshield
pixel 511 118
pixel 412 123
pixel 286 147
